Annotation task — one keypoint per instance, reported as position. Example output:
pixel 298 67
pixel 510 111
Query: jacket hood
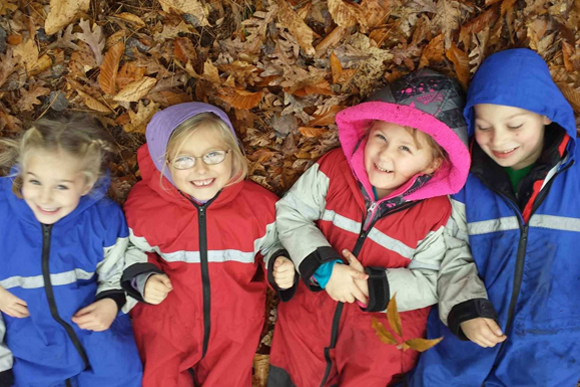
pixel 164 122
pixel 19 206
pixel 425 100
pixel 519 78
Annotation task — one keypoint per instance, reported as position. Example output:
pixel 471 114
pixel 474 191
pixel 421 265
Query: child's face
pixel 391 157
pixel 52 185
pixel 512 137
pixel 201 181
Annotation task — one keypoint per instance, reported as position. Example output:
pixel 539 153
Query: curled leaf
pixel 394 317
pixel 92 103
pixel 384 335
pixel 308 131
pixel 421 345
pixel 64 12
pixel 110 67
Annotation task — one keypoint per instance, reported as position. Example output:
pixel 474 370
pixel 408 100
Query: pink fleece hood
pixel 425 100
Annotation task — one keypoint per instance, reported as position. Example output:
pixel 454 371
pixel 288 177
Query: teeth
pixel 49 209
pixel 381 169
pixel 201 183
pixel 507 151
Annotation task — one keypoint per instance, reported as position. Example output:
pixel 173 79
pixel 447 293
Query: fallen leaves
pixel 64 12
pixel 396 338
pixel 136 90
pixel 109 68
pixel 94 38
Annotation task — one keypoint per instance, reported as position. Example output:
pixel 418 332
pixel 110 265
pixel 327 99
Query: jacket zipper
pixel 46 236
pixel 522 246
pixel 368 224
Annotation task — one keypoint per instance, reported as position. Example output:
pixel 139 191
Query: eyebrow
pixel 507 118
pixel 62 181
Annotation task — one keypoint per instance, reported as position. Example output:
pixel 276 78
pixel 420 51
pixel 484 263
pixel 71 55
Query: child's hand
pixel 12 305
pixel 98 316
pixel 157 288
pixel 343 286
pixel 284 273
pixel 483 331
pixel 362 284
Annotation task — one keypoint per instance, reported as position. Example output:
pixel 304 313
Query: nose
pixel 45 195
pixel 200 167
pixel 386 155
pixel 498 137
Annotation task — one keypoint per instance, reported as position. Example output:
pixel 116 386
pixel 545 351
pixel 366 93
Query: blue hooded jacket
pixel 59 269
pixel 524 248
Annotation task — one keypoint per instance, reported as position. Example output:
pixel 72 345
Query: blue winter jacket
pixel 58 270
pixel 523 265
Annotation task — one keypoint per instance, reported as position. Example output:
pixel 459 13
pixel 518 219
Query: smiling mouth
pixel 504 154
pixel 382 170
pixel 202 183
pixel 47 211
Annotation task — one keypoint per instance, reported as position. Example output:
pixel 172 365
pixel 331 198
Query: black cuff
pixel 116 295
pixel 468 310
pixel 133 271
pixel 313 261
pixel 286 294
pixel 6 378
pixel 379 292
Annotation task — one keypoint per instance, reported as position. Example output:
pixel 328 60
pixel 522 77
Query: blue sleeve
pixel 323 273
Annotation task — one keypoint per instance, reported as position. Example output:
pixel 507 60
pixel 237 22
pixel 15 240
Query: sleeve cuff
pixel 6 378
pixel 116 295
pixel 468 310
pixel 379 290
pixel 285 294
pixel 133 271
pixel 313 261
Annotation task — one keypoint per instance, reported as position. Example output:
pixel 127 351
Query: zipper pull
pixel 371 208
pixel 369 217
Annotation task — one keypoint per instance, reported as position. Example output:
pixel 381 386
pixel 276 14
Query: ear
pixel 435 164
pixel 88 186
pixel 546 120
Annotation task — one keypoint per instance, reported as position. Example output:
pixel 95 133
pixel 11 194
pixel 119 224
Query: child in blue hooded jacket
pixel 508 286
pixel 63 246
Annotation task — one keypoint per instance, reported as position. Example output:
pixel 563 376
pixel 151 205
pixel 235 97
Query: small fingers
pixel 20 311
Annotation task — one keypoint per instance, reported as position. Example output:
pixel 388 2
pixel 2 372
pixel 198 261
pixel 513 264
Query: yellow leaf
pixel 394 317
pixel 193 7
pixel 434 51
pixel 385 336
pixel 64 12
pixel 93 103
pixel 134 91
pixel 210 72
pixel 138 121
pixel 28 53
pixel 42 64
pixel 131 18
pixel 297 27
pixel 421 345
pixel 110 67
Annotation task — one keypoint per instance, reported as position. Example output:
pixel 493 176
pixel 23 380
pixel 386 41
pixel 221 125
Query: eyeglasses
pixel 210 158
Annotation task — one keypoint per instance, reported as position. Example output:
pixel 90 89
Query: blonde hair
pixel 78 136
pixel 436 150
pixel 213 123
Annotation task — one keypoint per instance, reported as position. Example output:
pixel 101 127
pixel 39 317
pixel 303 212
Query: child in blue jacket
pixel 509 284
pixel 63 246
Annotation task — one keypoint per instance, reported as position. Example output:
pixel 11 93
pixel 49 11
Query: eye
pixel 213 154
pixel 62 187
pixel 404 148
pixel 513 127
pixel 481 128
pixel 34 182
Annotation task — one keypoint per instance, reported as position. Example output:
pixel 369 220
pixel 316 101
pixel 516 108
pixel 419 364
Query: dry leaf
pixel 297 27
pixel 448 15
pixel 434 51
pixel 421 345
pixel 14 40
pixel 8 64
pixel 108 75
pixel 42 64
pixel 9 123
pixel 92 103
pixel 94 38
pixel 330 40
pixel 115 38
pixel 138 121
pixel 326 116
pixel 131 18
pixel 211 73
pixel 308 131
pixel 339 76
pixel 184 50
pixel 345 14
pixel 29 98
pixel 28 53
pixel 64 12
pixel 393 316
pixel 572 95
pixel 129 73
pixel 474 26
pixel 461 62
pixel 193 7
pixel 240 99
pixel 384 335
pixel 134 91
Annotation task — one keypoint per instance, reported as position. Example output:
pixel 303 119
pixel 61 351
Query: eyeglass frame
pixel 194 158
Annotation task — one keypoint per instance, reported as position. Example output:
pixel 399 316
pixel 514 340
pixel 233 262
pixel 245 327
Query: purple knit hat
pixel 164 122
